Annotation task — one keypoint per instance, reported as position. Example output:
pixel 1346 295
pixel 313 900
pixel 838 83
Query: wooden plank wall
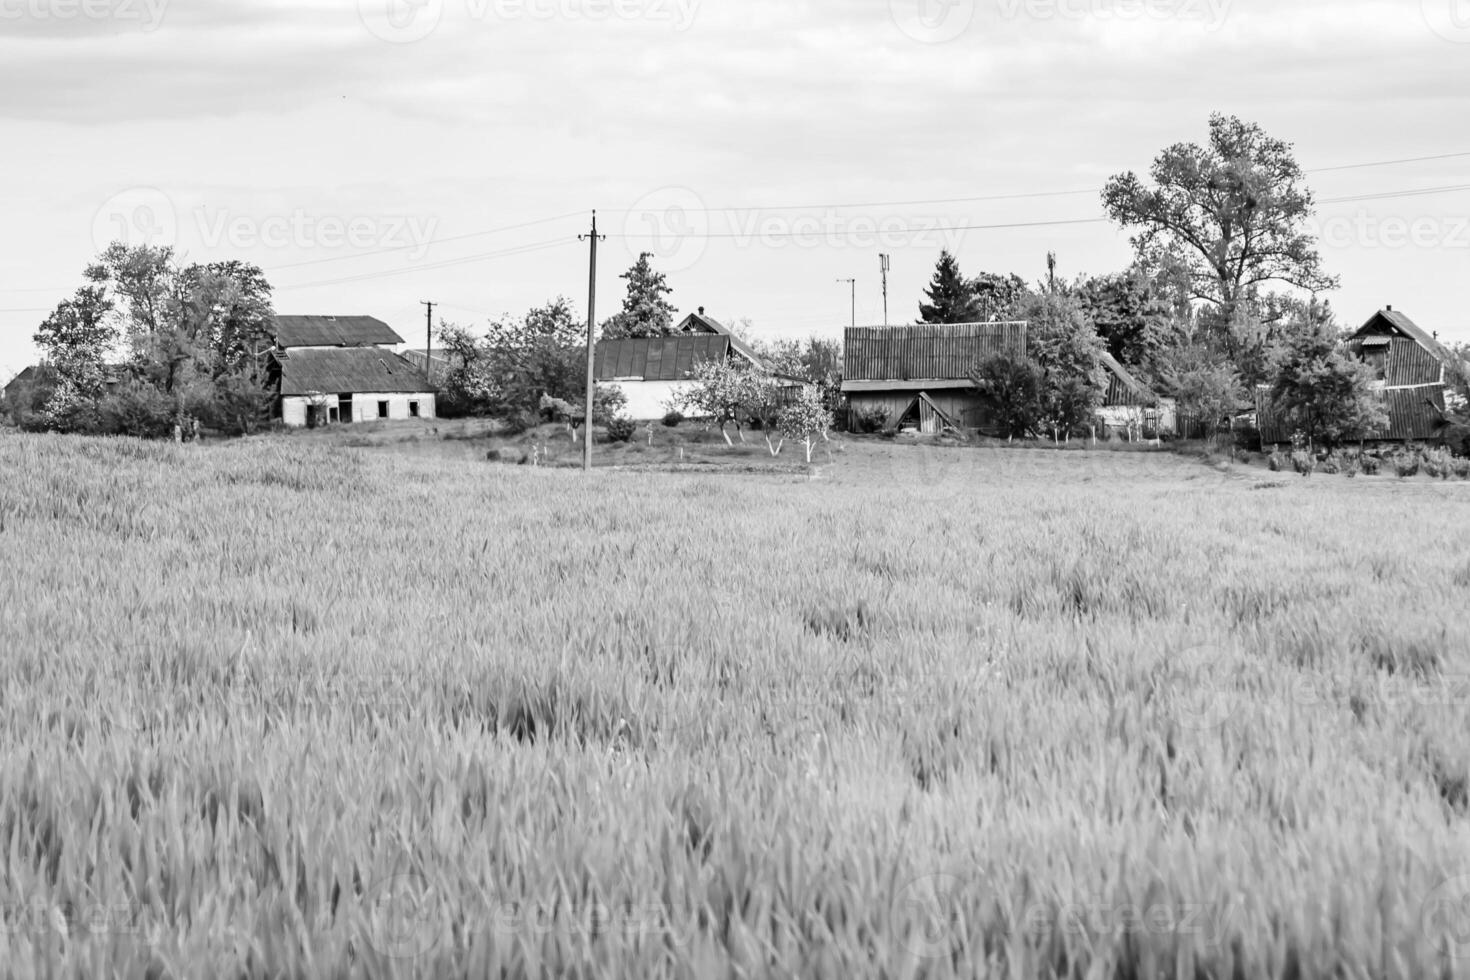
pixel 930 350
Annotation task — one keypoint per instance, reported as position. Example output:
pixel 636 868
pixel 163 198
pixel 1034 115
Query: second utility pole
pixel 429 340
pixel 591 342
pixel 853 284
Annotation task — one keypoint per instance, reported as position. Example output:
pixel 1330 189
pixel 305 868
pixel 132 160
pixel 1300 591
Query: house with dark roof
pixel 919 376
pixel 331 369
pixel 653 372
pixel 333 331
pixel 1413 379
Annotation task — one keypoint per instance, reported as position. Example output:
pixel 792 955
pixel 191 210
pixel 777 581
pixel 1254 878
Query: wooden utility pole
pixel 883 264
pixel 429 339
pixel 591 342
pixel 853 284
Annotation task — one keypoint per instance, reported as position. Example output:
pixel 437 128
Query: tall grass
pixel 272 708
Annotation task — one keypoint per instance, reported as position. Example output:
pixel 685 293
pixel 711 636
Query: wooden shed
pixel 1413 379
pixel 1130 406
pixel 920 375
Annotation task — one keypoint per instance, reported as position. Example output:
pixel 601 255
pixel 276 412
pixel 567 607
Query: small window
pixel 413 410
pixel 382 410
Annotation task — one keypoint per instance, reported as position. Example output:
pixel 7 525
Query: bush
pixel 673 417
pixel 620 429
pixel 1370 465
pixel 135 409
pixel 870 421
pixel 1406 466
pixel 520 421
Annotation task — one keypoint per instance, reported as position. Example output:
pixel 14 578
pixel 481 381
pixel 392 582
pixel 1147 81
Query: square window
pixel 382 410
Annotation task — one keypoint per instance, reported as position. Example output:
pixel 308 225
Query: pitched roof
pixel 333 331
pixel 348 370
pixel 1396 322
pixel 939 351
pixel 1123 387
pixel 699 323
pixel 657 358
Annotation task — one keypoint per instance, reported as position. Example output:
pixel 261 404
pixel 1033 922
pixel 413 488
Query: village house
pixel 654 372
pixel 1413 379
pixel 331 369
pixel 920 375
pixel 1130 408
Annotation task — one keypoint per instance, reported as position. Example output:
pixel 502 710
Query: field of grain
pixel 282 708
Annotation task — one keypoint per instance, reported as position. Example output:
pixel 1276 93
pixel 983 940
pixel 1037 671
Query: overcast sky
pixel 370 155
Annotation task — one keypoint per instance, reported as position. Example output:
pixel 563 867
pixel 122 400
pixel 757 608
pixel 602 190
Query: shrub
pixel 520 421
pixel 1406 466
pixel 673 417
pixel 1276 462
pixel 620 429
pixel 869 422
pixel 1332 465
pixel 1461 468
pixel 136 409
pixel 1370 465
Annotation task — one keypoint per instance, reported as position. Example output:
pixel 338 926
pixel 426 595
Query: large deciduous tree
pixel 1233 214
pixel 951 297
pixel 645 312
pixel 1133 320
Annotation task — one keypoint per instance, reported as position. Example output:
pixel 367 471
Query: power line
pixel 432 241
pixel 464 260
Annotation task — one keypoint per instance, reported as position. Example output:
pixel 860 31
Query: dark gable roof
pixel 348 370
pixel 699 323
pixel 657 358
pixel 928 351
pixel 1394 322
pixel 1123 388
pixel 333 331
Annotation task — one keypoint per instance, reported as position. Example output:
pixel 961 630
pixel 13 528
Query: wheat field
pixel 281 708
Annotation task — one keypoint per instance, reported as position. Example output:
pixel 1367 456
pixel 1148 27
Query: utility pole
pixel 853 284
pixel 429 339
pixel 591 342
pixel 883 264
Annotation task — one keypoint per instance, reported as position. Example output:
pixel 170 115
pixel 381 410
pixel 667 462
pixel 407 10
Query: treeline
pixel 1219 301
pixel 149 347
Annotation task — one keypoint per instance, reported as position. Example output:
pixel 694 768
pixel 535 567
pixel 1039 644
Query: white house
pixel 332 369
pixel 653 371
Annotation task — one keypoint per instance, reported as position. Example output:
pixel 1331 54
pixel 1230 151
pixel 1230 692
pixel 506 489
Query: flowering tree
pixel 807 419
pixel 721 393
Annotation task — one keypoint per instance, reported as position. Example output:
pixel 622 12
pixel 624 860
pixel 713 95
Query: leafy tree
pixel 645 312
pixel 75 340
pixel 1204 384
pixel 720 394
pixel 1014 384
pixel 1320 388
pixel 807 418
pixel 1133 320
pixel 542 353
pixel 1065 346
pixel 763 406
pixel 1232 215
pixel 470 386
pixel 951 298
pixel 998 296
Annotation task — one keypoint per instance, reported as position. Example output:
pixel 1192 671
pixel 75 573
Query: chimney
pixel 701 311
pixel 1388 308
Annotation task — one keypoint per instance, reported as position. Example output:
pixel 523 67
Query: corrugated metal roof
pixel 333 331
pixel 349 369
pixel 1123 387
pixel 1413 413
pixel 657 358
pixel 941 351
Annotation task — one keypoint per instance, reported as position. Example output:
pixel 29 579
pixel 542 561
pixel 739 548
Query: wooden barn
pixel 1129 406
pixel 919 375
pixel 338 369
pixel 1413 371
